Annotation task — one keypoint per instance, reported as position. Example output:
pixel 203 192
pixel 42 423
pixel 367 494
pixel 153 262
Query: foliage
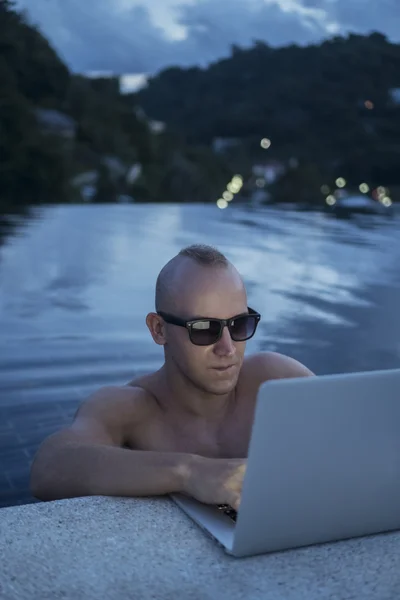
pixel 37 165
pixel 326 105
pixel 310 101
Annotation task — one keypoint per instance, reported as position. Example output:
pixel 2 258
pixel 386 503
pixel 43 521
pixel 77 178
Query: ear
pixel 157 328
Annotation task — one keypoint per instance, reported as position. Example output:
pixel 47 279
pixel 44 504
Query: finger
pixel 235 501
pixel 235 481
pixel 241 470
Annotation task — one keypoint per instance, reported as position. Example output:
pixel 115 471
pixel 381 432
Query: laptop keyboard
pixel 228 510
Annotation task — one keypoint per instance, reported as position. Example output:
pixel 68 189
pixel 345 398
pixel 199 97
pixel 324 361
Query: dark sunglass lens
pixel 243 328
pixel 205 333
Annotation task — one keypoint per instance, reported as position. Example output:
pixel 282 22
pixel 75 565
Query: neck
pixel 180 394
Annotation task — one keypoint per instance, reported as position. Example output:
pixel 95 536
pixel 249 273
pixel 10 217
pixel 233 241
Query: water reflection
pixel 12 220
pixel 76 286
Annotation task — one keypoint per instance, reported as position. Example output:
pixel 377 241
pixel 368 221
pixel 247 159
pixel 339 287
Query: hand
pixel 216 481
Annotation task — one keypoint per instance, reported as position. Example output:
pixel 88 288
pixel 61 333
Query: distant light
pixel 364 188
pixel 340 182
pixel 221 203
pixel 381 191
pixel 331 200
pixel 260 182
pixel 265 143
pixel 236 184
pixel 368 104
pixel 325 189
pixel 228 196
pixel 386 201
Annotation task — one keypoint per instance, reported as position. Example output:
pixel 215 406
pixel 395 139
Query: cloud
pixel 124 36
pixel 212 27
pixel 355 15
pixel 99 35
pixel 362 16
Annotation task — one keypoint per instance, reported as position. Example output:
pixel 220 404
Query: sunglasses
pixel 206 332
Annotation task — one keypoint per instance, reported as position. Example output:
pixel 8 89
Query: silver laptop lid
pixel 324 462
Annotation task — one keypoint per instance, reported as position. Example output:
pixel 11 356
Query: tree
pixel 321 103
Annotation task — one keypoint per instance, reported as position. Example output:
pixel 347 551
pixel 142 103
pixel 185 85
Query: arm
pixel 88 458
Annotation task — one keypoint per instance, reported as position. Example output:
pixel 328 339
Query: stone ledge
pixel 112 548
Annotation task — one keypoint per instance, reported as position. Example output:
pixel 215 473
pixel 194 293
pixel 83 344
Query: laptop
pixel 323 466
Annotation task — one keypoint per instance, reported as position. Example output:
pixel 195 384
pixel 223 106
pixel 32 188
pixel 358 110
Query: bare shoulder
pixel 116 403
pixel 110 413
pixel 264 366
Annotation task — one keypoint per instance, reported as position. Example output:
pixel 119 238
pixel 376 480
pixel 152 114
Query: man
pixel 185 428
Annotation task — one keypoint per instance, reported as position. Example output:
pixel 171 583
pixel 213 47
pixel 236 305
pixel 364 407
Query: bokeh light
pixel 228 196
pixel 260 182
pixel 265 143
pixel 364 188
pixel 368 104
pixel 340 182
pixel 386 201
pixel 235 185
pixel 325 189
pixel 221 203
pixel 330 200
pixel 381 191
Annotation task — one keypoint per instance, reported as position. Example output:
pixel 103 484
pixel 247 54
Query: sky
pixel 133 38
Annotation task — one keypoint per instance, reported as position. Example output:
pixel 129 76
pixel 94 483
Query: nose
pixel 225 345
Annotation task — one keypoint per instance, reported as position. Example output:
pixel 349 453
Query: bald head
pixel 179 270
pixel 199 283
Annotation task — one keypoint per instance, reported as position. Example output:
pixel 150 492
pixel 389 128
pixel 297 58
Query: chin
pixel 221 388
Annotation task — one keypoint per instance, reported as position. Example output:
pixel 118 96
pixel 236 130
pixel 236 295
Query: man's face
pixel 213 292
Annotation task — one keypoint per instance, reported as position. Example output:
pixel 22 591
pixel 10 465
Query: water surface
pixel 76 283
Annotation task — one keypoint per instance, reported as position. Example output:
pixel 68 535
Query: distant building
pixel 394 95
pixel 86 183
pixel 55 122
pixel 259 197
pixel 134 173
pixel 221 144
pixel 115 166
pixel 157 127
pixel 88 192
pixel 88 178
pixel 154 126
pixel 125 199
pixel 140 113
pixel 269 171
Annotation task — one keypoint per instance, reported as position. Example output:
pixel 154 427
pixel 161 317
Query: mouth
pixel 224 369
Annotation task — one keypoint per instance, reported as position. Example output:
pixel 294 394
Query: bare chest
pixel 229 439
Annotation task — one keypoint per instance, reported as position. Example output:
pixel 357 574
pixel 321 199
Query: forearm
pixel 76 470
